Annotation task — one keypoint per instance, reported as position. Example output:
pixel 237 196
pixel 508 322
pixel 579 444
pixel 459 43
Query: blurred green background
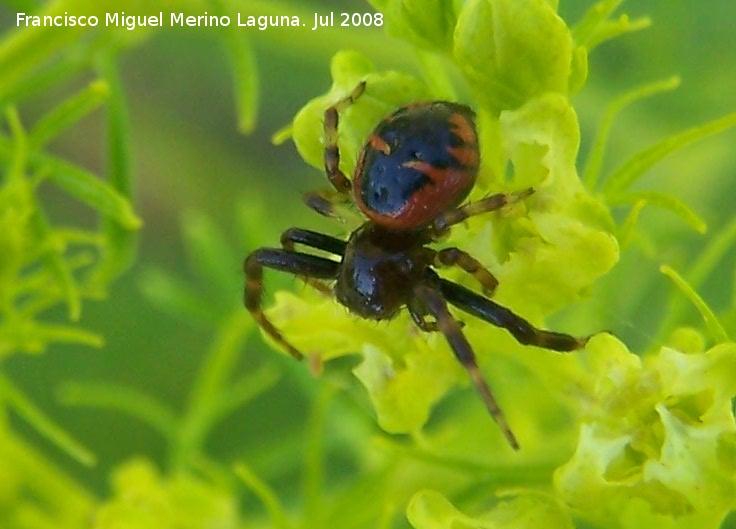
pixel 190 160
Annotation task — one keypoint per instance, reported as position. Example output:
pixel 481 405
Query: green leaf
pixel 431 510
pixel 76 181
pixel 711 321
pixel 566 242
pixel 81 184
pixel 244 70
pixel 403 394
pixel 119 250
pixel 623 177
pixel 34 337
pixel 404 375
pixel 595 27
pixel 28 48
pixel 53 260
pixel 664 201
pixel 512 50
pixel 650 451
pixel 428 24
pixel 205 406
pixel 703 266
pixel 593 164
pixel 628 227
pixel 43 424
pixel 245 389
pixel 123 399
pixel 265 494
pixel 46 77
pixel 68 113
pixel 142 498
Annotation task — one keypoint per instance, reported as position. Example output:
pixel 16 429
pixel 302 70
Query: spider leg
pixel 435 304
pixel 419 316
pixel 454 216
pixel 285 261
pixel 312 239
pixel 490 311
pixel 332 152
pixel 326 202
pixel 457 257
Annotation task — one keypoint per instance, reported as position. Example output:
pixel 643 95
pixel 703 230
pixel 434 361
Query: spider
pixel 412 175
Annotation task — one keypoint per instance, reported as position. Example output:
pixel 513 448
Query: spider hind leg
pixel 434 303
pixel 524 332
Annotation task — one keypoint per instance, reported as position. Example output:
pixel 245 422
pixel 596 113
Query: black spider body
pixel 378 270
pixel 412 175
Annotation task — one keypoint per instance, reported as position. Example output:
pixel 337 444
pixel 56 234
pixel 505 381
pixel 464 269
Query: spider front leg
pixel 443 222
pixel 312 239
pixel 332 152
pixel 434 303
pixel 285 261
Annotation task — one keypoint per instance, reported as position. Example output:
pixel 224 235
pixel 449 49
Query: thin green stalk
pixel 717 332
pixel 503 475
pixel 664 201
pixel 313 484
pixel 123 399
pixel 67 114
pixel 121 240
pixel 10 394
pixel 26 49
pixel 704 265
pixel 17 148
pixel 626 175
pixel 57 267
pixel 266 494
pixel 594 163
pixel 61 497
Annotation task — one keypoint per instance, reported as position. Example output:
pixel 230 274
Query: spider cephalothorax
pixel 415 170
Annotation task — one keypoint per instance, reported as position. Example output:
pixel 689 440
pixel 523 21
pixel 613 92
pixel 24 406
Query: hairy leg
pixel 435 304
pixel 313 239
pixel 285 261
pixel 468 263
pixel 325 202
pixel 454 216
pixel 500 316
pixel 332 152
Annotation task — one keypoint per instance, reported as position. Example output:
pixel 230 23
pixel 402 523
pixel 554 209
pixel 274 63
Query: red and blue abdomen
pixel 419 162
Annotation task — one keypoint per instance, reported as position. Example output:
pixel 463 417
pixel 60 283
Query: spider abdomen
pixel 419 162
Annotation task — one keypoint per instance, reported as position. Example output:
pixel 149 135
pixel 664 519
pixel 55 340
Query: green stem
pixel 42 423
